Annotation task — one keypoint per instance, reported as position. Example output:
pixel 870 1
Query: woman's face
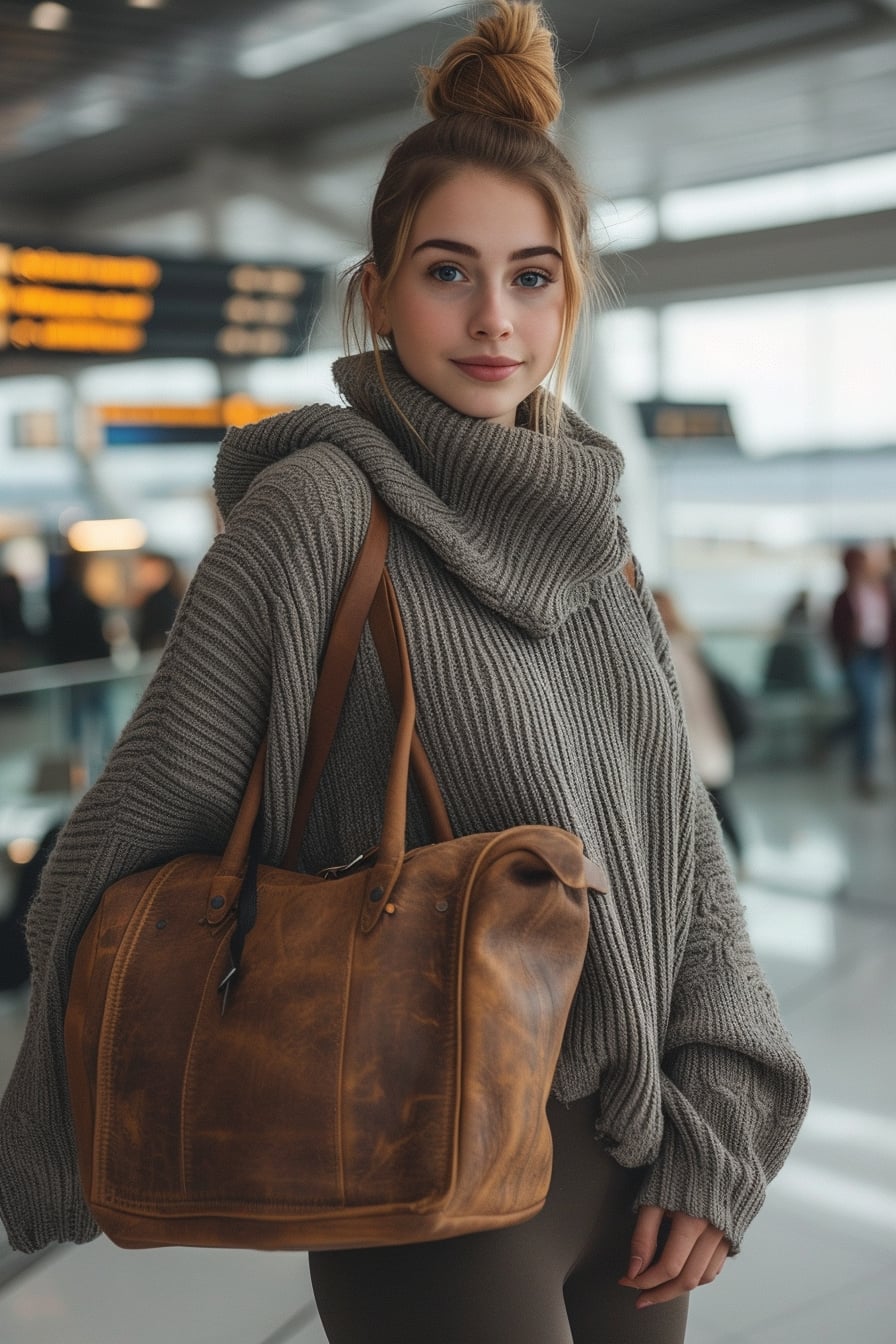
pixel 476 309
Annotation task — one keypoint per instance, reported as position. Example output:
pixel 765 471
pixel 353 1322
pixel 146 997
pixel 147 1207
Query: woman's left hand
pixel 693 1253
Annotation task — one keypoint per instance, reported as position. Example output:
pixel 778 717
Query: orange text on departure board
pixel 102 338
pixel 47 265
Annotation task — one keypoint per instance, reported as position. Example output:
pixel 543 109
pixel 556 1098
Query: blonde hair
pixel 492 99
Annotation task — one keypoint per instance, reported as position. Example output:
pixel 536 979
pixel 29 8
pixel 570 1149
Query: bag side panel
pixel 148 1010
pixel 85 1005
pixel 522 959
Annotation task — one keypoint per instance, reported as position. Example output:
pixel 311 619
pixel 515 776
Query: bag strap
pixel 351 614
pixel 335 670
pixel 390 661
pixel 386 623
pixel 336 667
pixel 390 855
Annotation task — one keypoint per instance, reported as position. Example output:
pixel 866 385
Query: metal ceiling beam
pixel 853 249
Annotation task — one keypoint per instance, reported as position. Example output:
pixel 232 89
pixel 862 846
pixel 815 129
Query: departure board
pixel 55 301
pixel 691 420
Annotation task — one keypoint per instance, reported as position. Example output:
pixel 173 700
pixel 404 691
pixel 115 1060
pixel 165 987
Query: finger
pixel 717 1262
pixel 694 1272
pixel 644 1239
pixel 684 1235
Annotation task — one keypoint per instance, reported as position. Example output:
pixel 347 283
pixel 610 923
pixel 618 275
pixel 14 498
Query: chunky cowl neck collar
pixel 526 521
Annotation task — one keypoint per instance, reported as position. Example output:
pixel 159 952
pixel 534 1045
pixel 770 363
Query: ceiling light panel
pixel 50 17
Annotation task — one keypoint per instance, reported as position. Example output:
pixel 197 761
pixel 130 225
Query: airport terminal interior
pixel 182 185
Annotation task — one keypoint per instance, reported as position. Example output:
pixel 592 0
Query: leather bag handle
pixel 349 618
pixel 332 683
pixel 336 667
pixel 388 634
pixel 385 620
pixel 390 661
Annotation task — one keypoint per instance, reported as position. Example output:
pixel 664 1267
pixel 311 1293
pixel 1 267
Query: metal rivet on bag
pixel 389 909
pixel 217 902
pixel 441 906
pixel 162 924
pixel 377 894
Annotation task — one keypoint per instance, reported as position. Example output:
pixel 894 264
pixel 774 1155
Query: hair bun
pixel 504 69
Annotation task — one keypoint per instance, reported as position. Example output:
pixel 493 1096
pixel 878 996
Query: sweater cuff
pixel 729 1122
pixel 33 1214
pixel 681 1180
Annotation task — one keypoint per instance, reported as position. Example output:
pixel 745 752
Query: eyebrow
pixel 465 250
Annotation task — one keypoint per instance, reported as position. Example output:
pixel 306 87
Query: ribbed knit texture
pixel 545 695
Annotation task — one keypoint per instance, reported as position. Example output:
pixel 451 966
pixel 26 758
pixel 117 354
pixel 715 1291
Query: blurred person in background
pixel 77 634
pixel 16 640
pixel 162 586
pixel 76 629
pixel 790 665
pixel 801 680
pixel 863 631
pixel 716 714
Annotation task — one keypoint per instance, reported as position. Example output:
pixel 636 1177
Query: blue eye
pixel 533 279
pixel 439 272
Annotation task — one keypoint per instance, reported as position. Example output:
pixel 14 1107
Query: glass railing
pixel 57 725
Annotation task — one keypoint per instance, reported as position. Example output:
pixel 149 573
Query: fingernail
pixel 634 1266
pixel 643 1302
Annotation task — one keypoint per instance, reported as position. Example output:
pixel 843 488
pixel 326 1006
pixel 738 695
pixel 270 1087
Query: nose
pixel 490 319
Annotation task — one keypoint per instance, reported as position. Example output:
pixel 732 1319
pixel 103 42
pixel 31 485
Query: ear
pixel 371 286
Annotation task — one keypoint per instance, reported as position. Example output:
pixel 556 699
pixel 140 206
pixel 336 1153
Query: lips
pixel 488 368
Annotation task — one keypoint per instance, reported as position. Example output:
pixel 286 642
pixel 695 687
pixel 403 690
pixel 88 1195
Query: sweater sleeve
pixel 172 784
pixel 734 1090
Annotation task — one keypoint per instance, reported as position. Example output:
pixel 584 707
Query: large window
pixel 802 370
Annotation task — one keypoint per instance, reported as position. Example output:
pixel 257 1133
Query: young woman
pixel 545 694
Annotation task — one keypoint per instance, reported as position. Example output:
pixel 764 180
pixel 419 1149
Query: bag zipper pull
pixel 228 980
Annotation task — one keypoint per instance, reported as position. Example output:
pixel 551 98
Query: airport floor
pixel 819 1264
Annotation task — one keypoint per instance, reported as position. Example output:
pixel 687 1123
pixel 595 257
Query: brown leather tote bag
pixel 264 1058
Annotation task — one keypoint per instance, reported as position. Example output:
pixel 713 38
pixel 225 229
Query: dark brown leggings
pixel 551 1280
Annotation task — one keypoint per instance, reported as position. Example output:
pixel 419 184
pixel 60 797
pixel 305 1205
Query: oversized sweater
pixel 545 694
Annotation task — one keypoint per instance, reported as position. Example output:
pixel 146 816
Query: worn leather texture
pixel 379 1069
pixel 361 1088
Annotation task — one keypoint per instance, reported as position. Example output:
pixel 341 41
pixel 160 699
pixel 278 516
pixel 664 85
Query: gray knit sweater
pixel 545 695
